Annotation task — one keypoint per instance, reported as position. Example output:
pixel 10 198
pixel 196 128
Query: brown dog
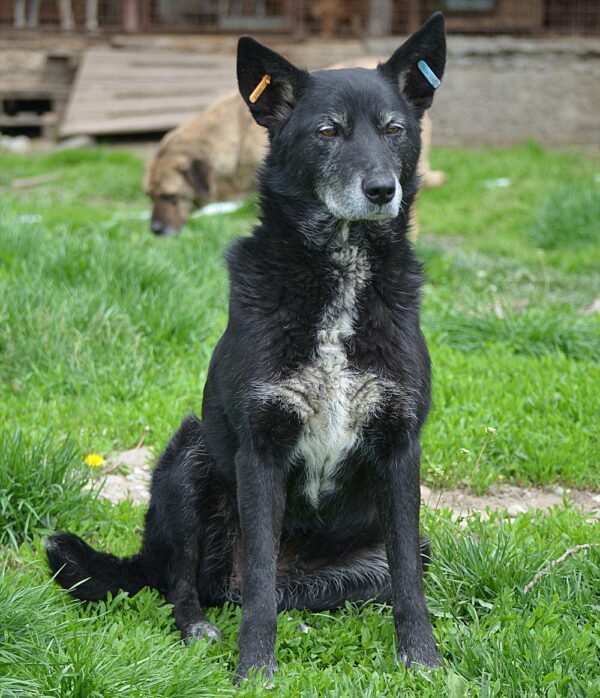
pixel 214 157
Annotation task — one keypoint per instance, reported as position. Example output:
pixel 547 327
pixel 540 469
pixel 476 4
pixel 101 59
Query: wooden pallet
pixel 121 91
pixel 20 97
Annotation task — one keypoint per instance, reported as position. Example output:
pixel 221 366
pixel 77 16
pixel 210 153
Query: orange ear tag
pixel 260 88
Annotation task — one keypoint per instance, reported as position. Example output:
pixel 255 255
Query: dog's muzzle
pixel 161 228
pixel 372 196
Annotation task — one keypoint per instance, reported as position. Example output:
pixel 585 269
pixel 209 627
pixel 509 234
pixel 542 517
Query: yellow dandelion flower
pixel 94 460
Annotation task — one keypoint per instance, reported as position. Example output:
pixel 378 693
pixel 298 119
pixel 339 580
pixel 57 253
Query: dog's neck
pixel 309 224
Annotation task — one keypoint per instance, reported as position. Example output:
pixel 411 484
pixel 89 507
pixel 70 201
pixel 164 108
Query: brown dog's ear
pixel 197 174
pixel 281 82
pixel 418 65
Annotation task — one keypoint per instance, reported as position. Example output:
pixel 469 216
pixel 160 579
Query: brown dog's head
pixel 178 184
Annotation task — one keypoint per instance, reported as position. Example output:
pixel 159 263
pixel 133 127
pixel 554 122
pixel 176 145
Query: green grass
pixel 569 218
pixel 496 640
pixel 36 478
pixel 105 329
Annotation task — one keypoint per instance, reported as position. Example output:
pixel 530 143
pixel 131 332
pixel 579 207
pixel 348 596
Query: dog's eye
pixel 328 131
pixel 393 129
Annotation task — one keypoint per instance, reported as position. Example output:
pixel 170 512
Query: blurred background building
pixel 517 69
pixel 328 18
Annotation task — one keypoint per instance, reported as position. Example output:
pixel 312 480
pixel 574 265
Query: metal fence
pixel 325 18
pixel 520 17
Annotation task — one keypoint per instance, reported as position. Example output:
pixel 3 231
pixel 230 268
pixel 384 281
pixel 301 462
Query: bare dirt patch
pixel 127 476
pixel 514 499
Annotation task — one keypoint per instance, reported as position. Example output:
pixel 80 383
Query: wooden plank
pixel 149 98
pixel 156 85
pixel 119 91
pixel 142 69
pixel 106 66
pixel 159 79
pixel 43 92
pixel 176 100
pixel 95 59
pixel 171 91
pixel 135 124
pixel 156 57
pixel 28 119
pixel 142 107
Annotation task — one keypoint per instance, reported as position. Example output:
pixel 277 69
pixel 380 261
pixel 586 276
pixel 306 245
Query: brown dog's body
pixel 215 155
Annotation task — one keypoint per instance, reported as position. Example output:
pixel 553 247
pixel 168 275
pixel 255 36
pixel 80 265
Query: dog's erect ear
pixel 280 94
pixel 197 174
pixel 428 47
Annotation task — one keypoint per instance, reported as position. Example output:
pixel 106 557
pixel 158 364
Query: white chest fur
pixel 332 399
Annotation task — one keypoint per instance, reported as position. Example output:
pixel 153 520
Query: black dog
pixel 300 486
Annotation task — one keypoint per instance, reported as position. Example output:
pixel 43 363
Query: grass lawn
pixel 105 330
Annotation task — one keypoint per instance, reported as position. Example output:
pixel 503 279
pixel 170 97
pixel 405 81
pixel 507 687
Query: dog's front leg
pixel 397 493
pixel 261 503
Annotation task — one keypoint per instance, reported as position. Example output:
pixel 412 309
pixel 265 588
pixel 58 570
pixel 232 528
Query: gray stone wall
pixel 502 90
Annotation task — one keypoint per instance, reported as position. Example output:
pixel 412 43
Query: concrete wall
pixel 505 90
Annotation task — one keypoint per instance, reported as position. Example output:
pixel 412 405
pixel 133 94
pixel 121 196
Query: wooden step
pixel 31 119
pixel 130 91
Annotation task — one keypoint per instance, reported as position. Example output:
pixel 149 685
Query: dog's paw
pixel 416 647
pixel 260 671
pixel 420 656
pixel 201 630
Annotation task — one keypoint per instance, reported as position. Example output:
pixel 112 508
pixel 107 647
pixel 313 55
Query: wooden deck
pixel 133 91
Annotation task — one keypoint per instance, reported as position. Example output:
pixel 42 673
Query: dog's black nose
pixel 157 227
pixel 379 190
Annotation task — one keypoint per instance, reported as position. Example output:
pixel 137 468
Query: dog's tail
pixel 89 574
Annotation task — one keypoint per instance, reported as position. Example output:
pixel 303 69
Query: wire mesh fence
pixel 324 18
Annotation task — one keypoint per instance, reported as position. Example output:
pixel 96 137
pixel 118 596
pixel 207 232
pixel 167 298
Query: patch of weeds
pixel 54 647
pixel 466 467
pixel 534 333
pixel 41 484
pixel 543 407
pixel 568 217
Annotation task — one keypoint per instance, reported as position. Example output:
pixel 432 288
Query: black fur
pixel 324 297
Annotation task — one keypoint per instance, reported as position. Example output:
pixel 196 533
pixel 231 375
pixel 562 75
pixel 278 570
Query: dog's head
pixel 177 184
pixel 348 139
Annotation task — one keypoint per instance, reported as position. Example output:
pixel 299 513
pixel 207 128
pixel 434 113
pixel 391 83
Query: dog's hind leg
pixel 184 579
pixel 176 527
pixel 359 576
pixel 183 594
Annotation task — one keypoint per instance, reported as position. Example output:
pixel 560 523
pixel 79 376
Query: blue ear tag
pixel 432 78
